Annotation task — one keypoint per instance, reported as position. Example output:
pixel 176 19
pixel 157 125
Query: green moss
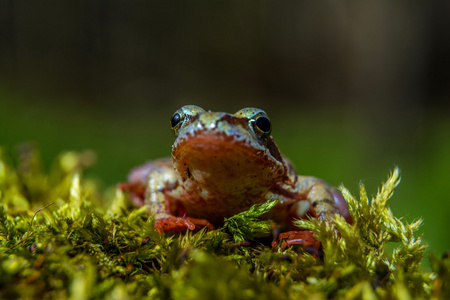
pixel 61 236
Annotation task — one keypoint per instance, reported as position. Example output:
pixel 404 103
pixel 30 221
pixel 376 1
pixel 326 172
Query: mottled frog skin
pixel 221 165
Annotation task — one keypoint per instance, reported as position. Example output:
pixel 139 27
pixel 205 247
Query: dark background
pixel 353 89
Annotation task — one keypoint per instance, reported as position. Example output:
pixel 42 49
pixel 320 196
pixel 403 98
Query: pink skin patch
pixel 342 205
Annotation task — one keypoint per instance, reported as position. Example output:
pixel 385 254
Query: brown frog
pixel 221 165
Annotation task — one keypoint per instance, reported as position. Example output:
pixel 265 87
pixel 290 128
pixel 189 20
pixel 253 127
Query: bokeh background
pixel 353 89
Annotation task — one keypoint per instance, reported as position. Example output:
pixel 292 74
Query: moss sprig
pixel 246 226
pixel 362 245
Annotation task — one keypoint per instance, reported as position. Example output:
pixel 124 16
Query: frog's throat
pixel 221 164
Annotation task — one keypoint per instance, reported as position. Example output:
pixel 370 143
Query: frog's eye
pixel 177 120
pixel 261 126
pixel 184 116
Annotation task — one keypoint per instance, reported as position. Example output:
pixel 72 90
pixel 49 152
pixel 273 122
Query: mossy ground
pixel 61 236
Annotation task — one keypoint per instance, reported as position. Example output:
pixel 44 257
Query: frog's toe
pixel 201 223
pixel 303 238
pixel 172 223
pixel 168 223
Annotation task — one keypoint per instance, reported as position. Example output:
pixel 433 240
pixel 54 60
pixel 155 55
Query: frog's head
pixel 229 154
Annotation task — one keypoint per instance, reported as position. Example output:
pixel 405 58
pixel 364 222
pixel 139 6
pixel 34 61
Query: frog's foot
pixel 165 223
pixel 304 238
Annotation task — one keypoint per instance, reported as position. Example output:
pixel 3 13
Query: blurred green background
pixel 352 89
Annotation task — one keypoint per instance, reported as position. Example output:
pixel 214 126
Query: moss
pixel 63 237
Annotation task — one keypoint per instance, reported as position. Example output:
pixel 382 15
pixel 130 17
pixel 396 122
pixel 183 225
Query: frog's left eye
pixel 262 126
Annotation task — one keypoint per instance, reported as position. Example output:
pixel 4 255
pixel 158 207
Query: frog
pixel 221 165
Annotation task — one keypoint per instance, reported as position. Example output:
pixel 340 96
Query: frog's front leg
pixel 315 198
pixel 296 237
pixel 320 197
pixel 324 201
pixel 156 184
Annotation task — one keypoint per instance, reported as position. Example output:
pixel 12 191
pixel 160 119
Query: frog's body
pixel 221 165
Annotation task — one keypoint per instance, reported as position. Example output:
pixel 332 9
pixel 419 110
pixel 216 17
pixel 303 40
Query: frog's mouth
pixel 226 165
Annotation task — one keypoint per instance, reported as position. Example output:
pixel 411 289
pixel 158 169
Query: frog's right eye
pixel 177 120
pixel 184 116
